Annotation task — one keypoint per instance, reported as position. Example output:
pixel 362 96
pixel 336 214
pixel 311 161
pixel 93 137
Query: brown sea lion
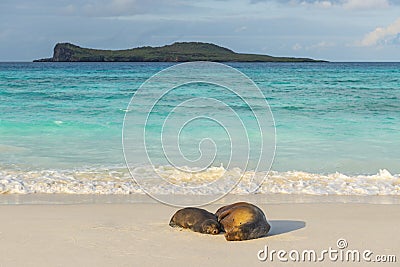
pixel 197 220
pixel 242 221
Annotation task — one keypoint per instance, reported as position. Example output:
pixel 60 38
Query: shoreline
pixel 84 199
pixel 138 235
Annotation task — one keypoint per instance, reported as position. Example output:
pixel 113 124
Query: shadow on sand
pixel 284 226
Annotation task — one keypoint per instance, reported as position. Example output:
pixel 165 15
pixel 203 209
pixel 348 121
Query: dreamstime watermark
pixel 190 127
pixel 340 253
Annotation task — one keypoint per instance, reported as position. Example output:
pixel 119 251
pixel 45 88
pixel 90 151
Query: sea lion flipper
pixel 234 235
pixel 223 214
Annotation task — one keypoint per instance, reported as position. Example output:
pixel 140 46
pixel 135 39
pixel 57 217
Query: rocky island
pixel 177 52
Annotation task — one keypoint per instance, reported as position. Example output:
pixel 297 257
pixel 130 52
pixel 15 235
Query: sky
pixel 334 30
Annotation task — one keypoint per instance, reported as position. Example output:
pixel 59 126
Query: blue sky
pixel 336 30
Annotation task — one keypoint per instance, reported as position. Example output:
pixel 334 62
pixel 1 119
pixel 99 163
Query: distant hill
pixel 177 52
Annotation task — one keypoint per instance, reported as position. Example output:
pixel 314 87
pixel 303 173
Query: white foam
pixel 86 181
pixel 382 183
pixel 117 180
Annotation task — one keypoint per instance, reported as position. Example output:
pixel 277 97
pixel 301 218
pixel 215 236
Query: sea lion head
pixel 211 227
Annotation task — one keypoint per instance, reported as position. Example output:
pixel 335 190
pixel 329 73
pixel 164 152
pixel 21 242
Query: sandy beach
pixel 116 114
pixel 138 235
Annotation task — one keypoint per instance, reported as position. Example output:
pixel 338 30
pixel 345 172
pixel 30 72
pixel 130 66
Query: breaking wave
pixel 118 180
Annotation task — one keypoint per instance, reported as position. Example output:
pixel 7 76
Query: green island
pixel 176 52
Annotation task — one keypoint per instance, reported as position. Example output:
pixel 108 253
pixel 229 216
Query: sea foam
pixel 118 180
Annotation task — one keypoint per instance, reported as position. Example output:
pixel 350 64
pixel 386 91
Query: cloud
pixel 346 4
pixel 297 47
pixel 365 4
pixel 381 35
pixel 323 4
pixel 322 45
pixel 317 46
pixel 97 8
pixel 241 29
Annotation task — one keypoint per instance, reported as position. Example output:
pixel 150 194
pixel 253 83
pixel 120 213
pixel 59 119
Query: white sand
pixel 139 235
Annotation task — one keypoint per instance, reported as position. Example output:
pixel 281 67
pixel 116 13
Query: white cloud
pixel 318 3
pixel 100 8
pixel 365 4
pixel 347 4
pixel 321 45
pixel 296 47
pixel 381 35
pixel 324 4
pixel 316 46
pixel 241 29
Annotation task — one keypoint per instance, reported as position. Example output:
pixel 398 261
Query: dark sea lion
pixel 242 221
pixel 197 220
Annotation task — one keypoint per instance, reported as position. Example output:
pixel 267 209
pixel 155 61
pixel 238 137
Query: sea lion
pixel 197 220
pixel 242 221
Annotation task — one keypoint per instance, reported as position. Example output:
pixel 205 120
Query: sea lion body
pixel 197 220
pixel 242 221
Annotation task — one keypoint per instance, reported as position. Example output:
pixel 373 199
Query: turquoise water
pixel 64 120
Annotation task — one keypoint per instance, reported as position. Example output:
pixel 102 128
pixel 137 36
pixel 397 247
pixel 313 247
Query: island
pixel 176 52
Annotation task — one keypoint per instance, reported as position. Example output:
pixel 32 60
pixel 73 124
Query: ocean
pixel 332 129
